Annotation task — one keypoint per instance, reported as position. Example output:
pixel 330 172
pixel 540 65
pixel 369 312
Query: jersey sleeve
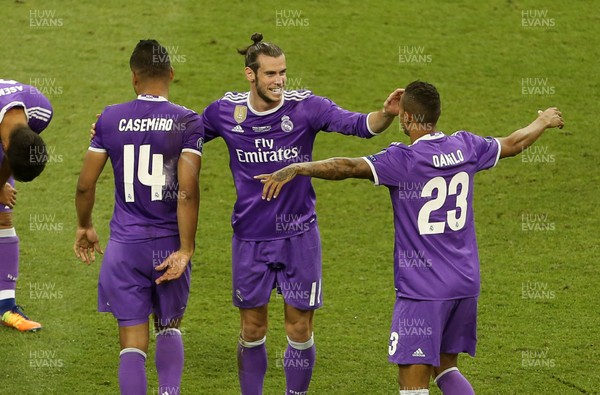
pixel 390 166
pixel 39 110
pixel 210 118
pixel 487 149
pixel 97 145
pixel 194 139
pixel 329 117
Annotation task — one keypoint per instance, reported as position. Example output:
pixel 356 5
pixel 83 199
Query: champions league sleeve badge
pixel 286 124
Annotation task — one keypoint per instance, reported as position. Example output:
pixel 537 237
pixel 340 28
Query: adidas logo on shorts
pixel 418 353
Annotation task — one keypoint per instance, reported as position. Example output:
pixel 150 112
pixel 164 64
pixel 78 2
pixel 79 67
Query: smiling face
pixel 268 82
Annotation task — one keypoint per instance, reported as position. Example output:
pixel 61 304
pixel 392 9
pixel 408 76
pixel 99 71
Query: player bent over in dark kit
pixel 24 113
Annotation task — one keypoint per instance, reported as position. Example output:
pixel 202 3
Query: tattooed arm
pixel 328 169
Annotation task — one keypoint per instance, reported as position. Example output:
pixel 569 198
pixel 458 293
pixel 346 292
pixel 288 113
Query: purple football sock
pixel 298 363
pixel 132 372
pixel 252 366
pixel 169 361
pixel 452 382
pixel 9 269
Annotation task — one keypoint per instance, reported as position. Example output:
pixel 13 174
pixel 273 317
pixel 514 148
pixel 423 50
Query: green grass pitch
pixel 495 63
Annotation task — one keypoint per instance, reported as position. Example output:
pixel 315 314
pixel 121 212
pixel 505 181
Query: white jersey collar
pixel 151 98
pixel 261 113
pixel 431 136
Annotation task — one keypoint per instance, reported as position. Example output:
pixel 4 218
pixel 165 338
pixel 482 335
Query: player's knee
pixel 414 376
pixel 253 331
pixel 6 220
pixel 299 331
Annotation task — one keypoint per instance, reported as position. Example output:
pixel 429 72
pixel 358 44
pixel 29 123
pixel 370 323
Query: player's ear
pixel 250 75
pixel 171 74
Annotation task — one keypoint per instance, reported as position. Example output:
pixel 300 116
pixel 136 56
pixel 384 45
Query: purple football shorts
pixel 126 286
pixel 292 266
pixel 422 329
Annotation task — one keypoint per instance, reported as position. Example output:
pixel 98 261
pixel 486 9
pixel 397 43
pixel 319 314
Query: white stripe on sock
pixel 7 294
pixel 302 346
pixel 444 372
pixel 11 232
pixel 131 349
pixel 253 344
pixel 423 391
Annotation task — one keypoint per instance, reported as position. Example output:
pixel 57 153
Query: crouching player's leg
pixel 170 301
pixel 11 315
pixel 300 284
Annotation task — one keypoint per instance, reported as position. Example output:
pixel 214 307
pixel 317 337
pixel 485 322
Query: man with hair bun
pixel 277 246
pixel 24 113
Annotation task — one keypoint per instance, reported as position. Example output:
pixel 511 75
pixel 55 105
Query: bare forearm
pixel 84 204
pixel 526 136
pixel 332 169
pixel 380 121
pixel 187 218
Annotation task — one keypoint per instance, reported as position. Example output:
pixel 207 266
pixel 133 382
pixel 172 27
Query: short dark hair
pixel 27 154
pixel 423 100
pixel 258 48
pixel 150 59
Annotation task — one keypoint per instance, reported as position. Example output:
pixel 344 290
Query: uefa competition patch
pixel 240 113
pixel 261 129
pixel 286 124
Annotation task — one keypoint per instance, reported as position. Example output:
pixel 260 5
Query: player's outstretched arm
pixel 520 139
pixel 86 239
pixel 328 169
pixel 381 120
pixel 188 203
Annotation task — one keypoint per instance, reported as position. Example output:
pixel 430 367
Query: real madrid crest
pixel 286 124
pixel 240 113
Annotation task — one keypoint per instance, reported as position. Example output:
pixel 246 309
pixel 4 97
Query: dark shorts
pixel 422 329
pixel 292 266
pixel 126 286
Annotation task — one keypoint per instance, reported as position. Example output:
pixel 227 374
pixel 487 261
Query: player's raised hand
pixel 93 129
pixel 8 195
pixel 391 105
pixel 175 265
pixel 87 244
pixel 275 181
pixel 552 117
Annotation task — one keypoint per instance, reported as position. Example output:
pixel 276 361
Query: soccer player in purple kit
pixel 24 113
pixel 436 261
pixel 278 245
pixel 155 148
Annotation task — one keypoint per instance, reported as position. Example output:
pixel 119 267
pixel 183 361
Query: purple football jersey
pixel 37 107
pixel 431 186
pixel 144 139
pixel 263 142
